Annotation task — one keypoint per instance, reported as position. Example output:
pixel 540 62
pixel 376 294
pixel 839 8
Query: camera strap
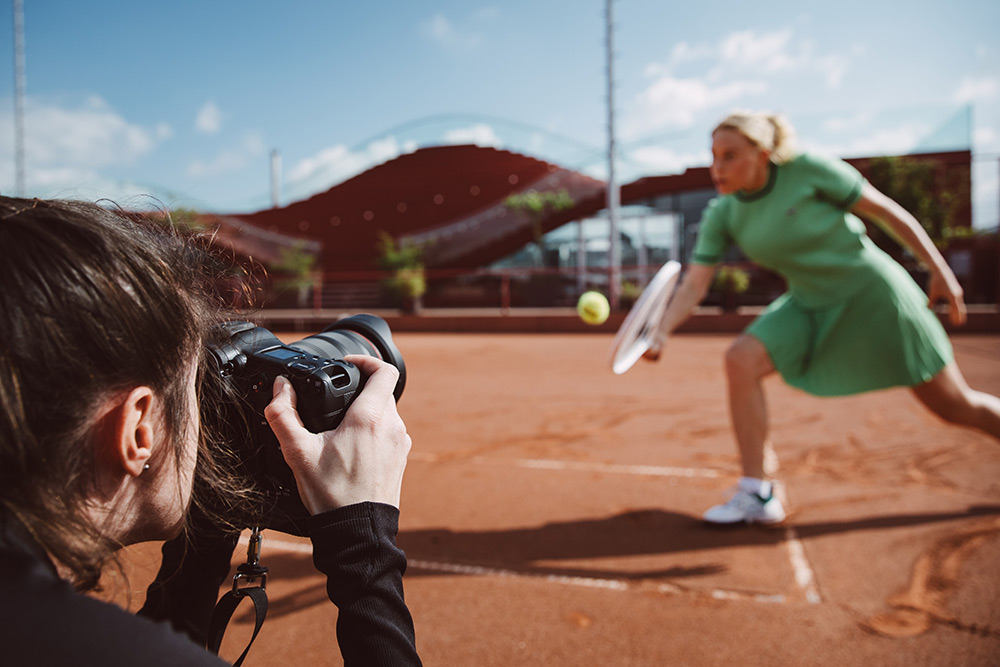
pixel 248 573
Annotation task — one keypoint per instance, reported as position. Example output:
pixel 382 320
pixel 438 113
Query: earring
pixel 145 467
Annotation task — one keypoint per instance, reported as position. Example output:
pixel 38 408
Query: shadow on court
pixel 637 533
pixel 895 516
pixel 646 532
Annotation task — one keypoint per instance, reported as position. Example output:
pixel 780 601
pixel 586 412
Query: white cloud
pixel 479 134
pixel 663 160
pixel 976 89
pixel 768 52
pixel 833 68
pixel 93 134
pixel 229 159
pixel 895 140
pixel 67 145
pixel 387 148
pixel 778 53
pixel 323 161
pixel 93 187
pixel 438 29
pixel 720 75
pixel 986 139
pixel 209 118
pixel 464 35
pixel 487 14
pixel 850 123
pixel 337 163
pixel 684 52
pixel 674 102
pixel 535 144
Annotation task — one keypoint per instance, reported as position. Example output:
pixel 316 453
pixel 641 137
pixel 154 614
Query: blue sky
pixel 186 100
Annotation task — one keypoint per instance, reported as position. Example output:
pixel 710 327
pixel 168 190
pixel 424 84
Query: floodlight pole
pixel 275 178
pixel 614 253
pixel 19 180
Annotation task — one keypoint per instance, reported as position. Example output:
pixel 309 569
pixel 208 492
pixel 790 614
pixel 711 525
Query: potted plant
pixel 406 282
pixel 630 292
pixel 297 270
pixel 731 281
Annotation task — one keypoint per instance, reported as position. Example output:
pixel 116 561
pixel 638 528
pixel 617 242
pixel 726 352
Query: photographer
pixel 102 368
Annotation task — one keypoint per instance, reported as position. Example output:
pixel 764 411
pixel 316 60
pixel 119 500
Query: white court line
pixel 563 580
pixel 583 466
pixel 592 582
pixel 804 575
pixel 458 568
pixel 479 571
pixel 657 471
pixel 805 578
pixel 777 598
pixel 803 572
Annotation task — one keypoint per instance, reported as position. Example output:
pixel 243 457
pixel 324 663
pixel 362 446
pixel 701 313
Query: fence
pixel 975 261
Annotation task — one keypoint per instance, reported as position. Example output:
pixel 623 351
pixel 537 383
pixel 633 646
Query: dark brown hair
pixel 93 302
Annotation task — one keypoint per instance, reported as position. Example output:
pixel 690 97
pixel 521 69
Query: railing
pixel 975 264
pixel 484 288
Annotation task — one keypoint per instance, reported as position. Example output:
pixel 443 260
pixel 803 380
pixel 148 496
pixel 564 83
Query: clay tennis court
pixel 551 517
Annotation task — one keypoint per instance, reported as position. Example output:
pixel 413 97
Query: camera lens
pixel 359 334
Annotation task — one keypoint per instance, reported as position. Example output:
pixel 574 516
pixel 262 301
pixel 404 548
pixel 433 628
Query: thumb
pixel 281 413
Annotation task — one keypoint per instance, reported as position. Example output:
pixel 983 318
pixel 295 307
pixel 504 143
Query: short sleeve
pixel 713 237
pixel 836 181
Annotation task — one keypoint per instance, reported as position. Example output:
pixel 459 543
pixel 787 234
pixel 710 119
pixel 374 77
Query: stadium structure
pixel 453 202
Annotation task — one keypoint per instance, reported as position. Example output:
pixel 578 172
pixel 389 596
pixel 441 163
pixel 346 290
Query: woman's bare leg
pixel 949 396
pixel 747 364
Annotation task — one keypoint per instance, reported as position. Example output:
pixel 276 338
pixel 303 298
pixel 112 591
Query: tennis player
pixel 852 319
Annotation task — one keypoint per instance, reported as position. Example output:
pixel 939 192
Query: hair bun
pixel 783 147
pixel 768 131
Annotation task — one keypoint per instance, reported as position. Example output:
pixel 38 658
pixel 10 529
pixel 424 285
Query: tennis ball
pixel 593 308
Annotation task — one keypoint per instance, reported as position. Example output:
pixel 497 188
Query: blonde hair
pixel 768 131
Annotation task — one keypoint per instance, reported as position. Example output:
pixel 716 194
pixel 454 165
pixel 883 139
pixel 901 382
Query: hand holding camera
pixel 313 423
pixel 362 459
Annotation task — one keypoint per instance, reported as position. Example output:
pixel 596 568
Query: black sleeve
pixel 355 547
pixel 186 588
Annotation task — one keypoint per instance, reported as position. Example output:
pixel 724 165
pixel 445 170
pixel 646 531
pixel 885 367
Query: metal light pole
pixel 614 252
pixel 275 178
pixel 19 180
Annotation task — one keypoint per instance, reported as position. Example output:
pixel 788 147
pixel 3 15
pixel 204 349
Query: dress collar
pixel 772 176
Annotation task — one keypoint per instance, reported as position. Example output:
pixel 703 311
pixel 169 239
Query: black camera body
pixel 249 358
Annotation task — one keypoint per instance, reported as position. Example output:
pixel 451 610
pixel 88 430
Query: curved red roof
pixel 412 194
pixel 450 199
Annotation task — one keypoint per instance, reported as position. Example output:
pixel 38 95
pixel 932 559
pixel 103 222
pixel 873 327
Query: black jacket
pixel 44 621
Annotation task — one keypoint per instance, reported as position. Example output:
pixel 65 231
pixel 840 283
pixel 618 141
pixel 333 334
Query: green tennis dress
pixel 852 319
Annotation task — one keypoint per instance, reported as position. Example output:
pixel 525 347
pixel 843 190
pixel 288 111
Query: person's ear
pixel 135 428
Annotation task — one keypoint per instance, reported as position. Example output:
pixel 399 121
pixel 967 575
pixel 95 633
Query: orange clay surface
pixel 551 512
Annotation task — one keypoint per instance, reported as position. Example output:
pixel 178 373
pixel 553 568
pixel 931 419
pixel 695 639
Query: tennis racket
pixel 637 331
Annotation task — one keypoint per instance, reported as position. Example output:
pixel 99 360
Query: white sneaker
pixel 746 507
